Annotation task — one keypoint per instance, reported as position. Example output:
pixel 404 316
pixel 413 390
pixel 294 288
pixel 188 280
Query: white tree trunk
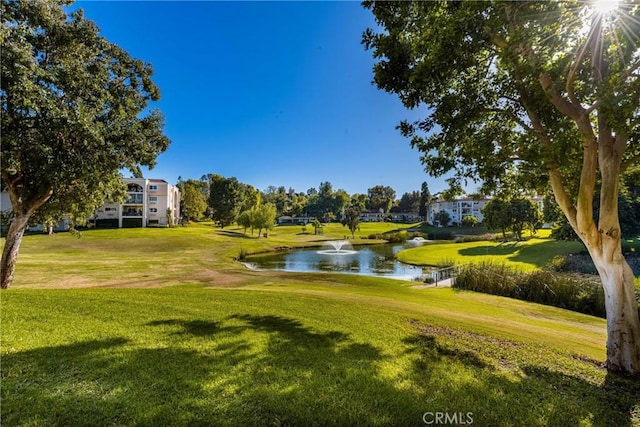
pixel 11 248
pixel 23 211
pixel 623 323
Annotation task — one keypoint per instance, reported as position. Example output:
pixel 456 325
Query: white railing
pixel 445 275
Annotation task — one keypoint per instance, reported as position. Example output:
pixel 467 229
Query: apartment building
pixel 457 209
pixel 460 208
pixel 405 217
pixel 372 216
pixel 149 202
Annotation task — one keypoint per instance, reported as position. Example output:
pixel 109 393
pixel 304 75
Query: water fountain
pixel 416 241
pixel 337 247
pixel 341 257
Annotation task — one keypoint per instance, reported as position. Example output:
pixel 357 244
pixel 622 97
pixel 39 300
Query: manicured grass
pixel 211 343
pixel 160 256
pixel 526 255
pixel 258 355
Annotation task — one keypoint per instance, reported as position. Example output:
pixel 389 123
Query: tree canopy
pixel 193 198
pixel 550 90
pixel 425 199
pixel 75 112
pixel 351 219
pixel 442 218
pixel 516 215
pixel 409 202
pixel 226 196
pixel 381 197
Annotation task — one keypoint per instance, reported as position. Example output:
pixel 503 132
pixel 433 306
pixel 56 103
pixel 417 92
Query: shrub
pixel 440 235
pixel 445 262
pixel 396 237
pixel 573 263
pixel 570 291
pixel 582 263
pixel 634 262
pixel 469 221
pixel 488 277
pixel 563 231
pixel 478 238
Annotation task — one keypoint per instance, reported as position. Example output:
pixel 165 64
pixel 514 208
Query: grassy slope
pixel 275 348
pixel 526 255
pixel 186 355
pixel 155 256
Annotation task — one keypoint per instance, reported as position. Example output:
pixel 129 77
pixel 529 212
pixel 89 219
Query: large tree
pixel 550 88
pixel 381 197
pixel 425 200
pixel 516 215
pixel 251 197
pixel 361 201
pixel 496 216
pixel 263 217
pixel 351 219
pixel 226 196
pixel 193 199
pixel 326 203
pixel 409 202
pixel 278 196
pixel 442 218
pixel 75 111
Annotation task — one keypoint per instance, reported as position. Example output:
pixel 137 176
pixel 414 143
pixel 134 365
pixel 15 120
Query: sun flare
pixel 605 6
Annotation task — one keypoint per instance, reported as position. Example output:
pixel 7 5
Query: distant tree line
pixel 229 201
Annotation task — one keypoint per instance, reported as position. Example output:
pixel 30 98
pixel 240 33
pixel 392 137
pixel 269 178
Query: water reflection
pixel 375 260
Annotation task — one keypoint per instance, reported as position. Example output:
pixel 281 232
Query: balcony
pixel 132 212
pixel 135 199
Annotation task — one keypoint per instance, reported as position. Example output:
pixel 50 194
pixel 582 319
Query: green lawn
pixel 159 256
pixel 526 255
pixel 206 342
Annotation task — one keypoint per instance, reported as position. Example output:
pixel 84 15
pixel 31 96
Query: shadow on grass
pixel 508 389
pixel 270 370
pixel 237 234
pixel 199 328
pixel 246 370
pixel 501 249
pixel 537 255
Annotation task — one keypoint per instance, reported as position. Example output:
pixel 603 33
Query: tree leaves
pixel 72 103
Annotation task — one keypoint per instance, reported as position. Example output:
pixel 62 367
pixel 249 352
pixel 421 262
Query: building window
pixel 153 187
pixel 153 210
pixel 134 199
pixel 153 199
pixel 132 212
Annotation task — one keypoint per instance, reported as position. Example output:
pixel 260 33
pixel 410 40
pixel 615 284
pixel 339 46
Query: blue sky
pixel 273 93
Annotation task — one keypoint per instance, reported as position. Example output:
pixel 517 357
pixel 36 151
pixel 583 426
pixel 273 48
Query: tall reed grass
pixel 570 291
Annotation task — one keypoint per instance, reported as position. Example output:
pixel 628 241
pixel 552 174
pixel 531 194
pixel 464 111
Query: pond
pixel 372 260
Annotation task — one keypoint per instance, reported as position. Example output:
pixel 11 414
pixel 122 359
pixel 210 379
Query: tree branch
pixel 584 206
pixel 574 69
pixel 562 105
pixel 557 182
pixel 593 107
pixel 511 114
